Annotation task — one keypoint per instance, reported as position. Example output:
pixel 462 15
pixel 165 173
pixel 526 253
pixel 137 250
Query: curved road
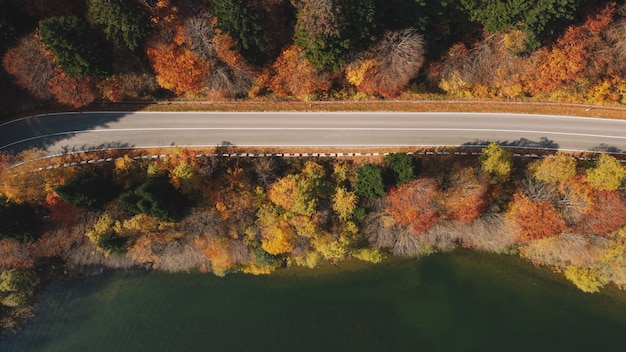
pixel 67 132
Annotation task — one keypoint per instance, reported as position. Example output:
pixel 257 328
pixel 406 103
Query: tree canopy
pixel 76 45
pixel 122 21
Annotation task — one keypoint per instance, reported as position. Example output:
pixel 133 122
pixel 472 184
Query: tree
pixel 369 181
pixel 71 90
pixel 77 47
pixel 538 18
pixel 31 67
pixel 329 30
pixel 292 74
pixel 278 240
pixel 177 68
pixel 89 189
pixel 20 221
pixel 414 204
pixel 536 219
pixel 497 162
pixel 344 203
pixel 404 166
pixel 17 286
pixel 554 169
pixel 468 194
pixel 122 21
pixel 243 22
pixel 156 197
pixel 606 214
pixel 607 174
pixel 388 66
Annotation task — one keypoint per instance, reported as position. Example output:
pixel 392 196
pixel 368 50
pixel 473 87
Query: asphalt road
pixel 67 132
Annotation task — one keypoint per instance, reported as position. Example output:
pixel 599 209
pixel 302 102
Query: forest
pixel 187 211
pixel 77 52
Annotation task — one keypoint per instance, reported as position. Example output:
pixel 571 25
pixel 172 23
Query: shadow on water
pixel 525 143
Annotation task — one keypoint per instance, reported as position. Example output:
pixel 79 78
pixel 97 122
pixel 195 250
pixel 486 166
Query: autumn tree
pixel 61 212
pixel 554 169
pixel 17 286
pixel 76 46
pixel 606 214
pixel 388 66
pixel 344 203
pixel 468 194
pixel 607 174
pixel 177 68
pixel 123 22
pixel 497 162
pixel 73 91
pixel 31 66
pixel 536 219
pixel 293 75
pixel 414 204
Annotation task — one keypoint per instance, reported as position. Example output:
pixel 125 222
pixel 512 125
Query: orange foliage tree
pixel 293 75
pixel 468 195
pixel 570 58
pixel 536 219
pixel 414 204
pixel 73 91
pixel 177 68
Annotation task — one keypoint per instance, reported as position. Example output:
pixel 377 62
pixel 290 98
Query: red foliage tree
pixel 414 204
pixel 536 219
pixel 60 211
pixel 607 214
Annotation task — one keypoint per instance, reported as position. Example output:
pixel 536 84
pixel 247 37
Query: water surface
pixel 463 301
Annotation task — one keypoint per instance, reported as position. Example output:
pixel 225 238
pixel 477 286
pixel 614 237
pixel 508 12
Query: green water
pixel 462 301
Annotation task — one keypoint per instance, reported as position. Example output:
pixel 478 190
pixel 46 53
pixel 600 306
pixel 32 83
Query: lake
pixel 460 301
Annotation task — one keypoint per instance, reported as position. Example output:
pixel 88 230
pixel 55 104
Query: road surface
pixel 68 132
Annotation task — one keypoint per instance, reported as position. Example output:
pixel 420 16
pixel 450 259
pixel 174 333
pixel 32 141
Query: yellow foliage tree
pixel 278 240
pixel 607 175
pixel 554 169
pixel 497 162
pixel 344 203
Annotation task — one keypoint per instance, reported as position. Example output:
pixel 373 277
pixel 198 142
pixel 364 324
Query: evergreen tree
pixel 77 47
pixel 122 21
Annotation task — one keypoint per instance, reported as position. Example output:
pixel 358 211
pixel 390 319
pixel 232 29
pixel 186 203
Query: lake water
pixel 463 301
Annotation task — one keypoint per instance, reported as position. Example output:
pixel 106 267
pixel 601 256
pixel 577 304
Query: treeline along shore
pixel 189 211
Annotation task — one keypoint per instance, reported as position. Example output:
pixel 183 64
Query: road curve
pixel 69 132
